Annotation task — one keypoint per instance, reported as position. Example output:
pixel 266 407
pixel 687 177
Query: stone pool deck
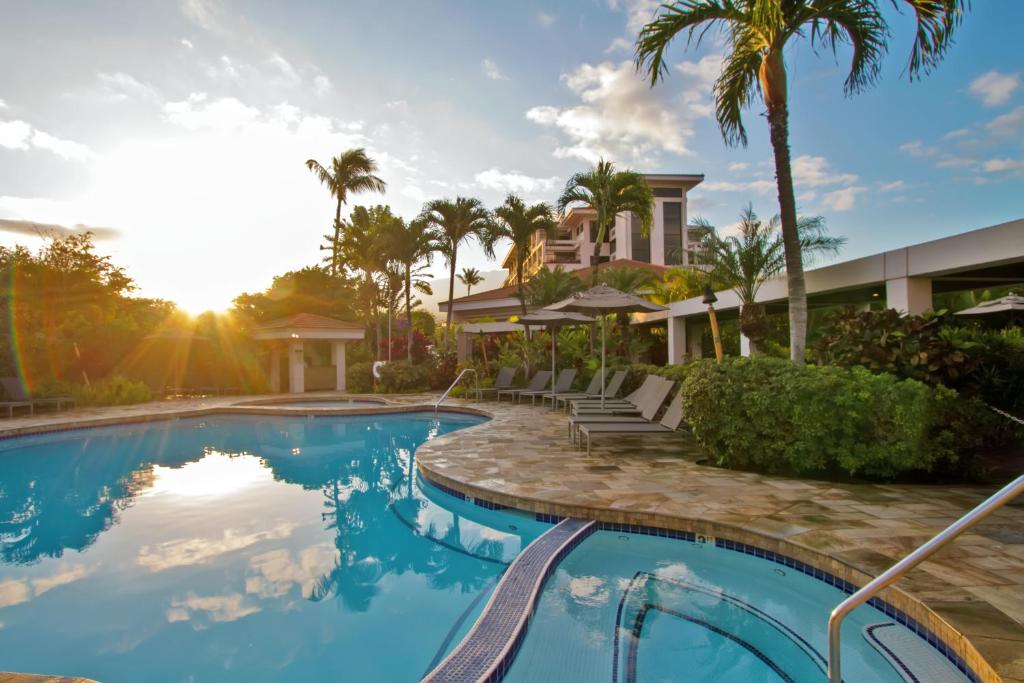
pixel 522 458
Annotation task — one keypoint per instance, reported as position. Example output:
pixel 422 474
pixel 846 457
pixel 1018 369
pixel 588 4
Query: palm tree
pixel 518 223
pixel 363 248
pixel 678 283
pixel 412 246
pixel 549 286
pixel 470 277
pixel 455 222
pixel 609 193
pixel 758 34
pixel 352 171
pixel 756 254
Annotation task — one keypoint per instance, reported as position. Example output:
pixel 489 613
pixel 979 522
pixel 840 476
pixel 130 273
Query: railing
pixel 894 573
pixel 449 389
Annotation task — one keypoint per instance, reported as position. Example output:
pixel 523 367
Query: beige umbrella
pixel 553 320
pixel 603 300
pixel 1011 303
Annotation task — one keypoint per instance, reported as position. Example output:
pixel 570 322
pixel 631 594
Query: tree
pixel 609 192
pixel 518 223
pixel 455 222
pixel 756 254
pixel 470 277
pixel 758 31
pixel 412 245
pixel 550 286
pixel 363 249
pixel 678 283
pixel 352 171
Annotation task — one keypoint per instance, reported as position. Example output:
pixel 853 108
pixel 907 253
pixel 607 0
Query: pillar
pixel 911 295
pixel 463 347
pixel 338 360
pixel 695 339
pixel 676 340
pixel 275 370
pixel 744 345
pixel 296 367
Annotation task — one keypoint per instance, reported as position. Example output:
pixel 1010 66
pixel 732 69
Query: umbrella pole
pixel 552 331
pixel 603 336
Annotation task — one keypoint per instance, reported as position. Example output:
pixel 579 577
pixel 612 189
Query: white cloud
pixel 289 76
pixel 619 44
pixel 544 20
pixel 3 105
pixel 21 135
pixel 514 181
pixel 321 85
pixel 958 133
pixel 192 551
pixel 638 12
pixel 15 134
pixel 199 112
pixel 994 88
pixel 187 43
pixel 739 166
pixel 891 187
pixel 1008 124
pixel 816 171
pixel 841 200
pixel 204 13
pixel 14 592
pixel 492 71
pixel 225 69
pixel 620 117
pixel 1002 165
pixel 760 186
pixel 918 149
pixel 216 608
pixel 62 578
pixel 120 86
pixel 274 573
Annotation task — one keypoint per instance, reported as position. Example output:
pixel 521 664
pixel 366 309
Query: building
pixel 669 243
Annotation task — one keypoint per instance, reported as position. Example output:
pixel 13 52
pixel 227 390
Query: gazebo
pixel 316 351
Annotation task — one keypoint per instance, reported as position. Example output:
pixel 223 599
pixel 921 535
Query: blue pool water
pixel 627 607
pixel 339 403
pixel 241 548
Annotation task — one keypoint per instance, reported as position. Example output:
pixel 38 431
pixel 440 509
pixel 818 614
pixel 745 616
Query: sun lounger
pixel 629 403
pixel 19 397
pixel 669 424
pixel 649 406
pixel 538 383
pixel 593 390
pixel 562 383
pixel 595 385
pixel 11 405
pixel 503 380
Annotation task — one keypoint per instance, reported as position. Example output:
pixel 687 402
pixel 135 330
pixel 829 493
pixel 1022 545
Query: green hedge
pixel 359 377
pixel 769 415
pixel 404 377
pixel 110 391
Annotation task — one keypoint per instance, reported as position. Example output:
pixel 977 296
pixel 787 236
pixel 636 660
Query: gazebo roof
pixel 308 326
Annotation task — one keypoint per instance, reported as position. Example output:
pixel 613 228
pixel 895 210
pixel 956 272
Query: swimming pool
pixel 327 403
pixel 237 548
pixel 625 607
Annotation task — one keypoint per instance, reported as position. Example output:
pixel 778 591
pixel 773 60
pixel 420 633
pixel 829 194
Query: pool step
pixel 912 658
pixel 486 653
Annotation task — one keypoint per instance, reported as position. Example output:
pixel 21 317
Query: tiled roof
pixel 309 321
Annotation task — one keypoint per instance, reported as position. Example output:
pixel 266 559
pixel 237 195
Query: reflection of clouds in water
pixel 277 571
pixel 589 591
pixel 188 551
pixel 215 608
pixel 674 570
pixel 215 474
pixel 17 591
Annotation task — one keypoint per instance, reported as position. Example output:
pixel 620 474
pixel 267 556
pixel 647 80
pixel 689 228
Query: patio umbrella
pixel 553 320
pixel 603 300
pixel 1011 304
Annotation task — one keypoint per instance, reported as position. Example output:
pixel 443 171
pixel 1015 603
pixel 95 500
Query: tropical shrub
pixel 770 415
pixel 112 391
pixel 399 346
pixel 442 367
pixel 998 365
pixel 404 377
pixel 359 377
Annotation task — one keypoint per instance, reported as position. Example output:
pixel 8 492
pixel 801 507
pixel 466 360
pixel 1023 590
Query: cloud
pixel 120 86
pixel 815 171
pixel 620 117
pixel 994 88
pixel 638 12
pixel 200 112
pixel 492 71
pixel 3 105
pixel 1002 165
pixel 543 19
pixel 207 14
pixel 918 149
pixel 191 551
pixel 514 181
pixel 68 575
pixel 739 166
pixel 215 608
pixel 958 133
pixel 274 573
pixel 24 227
pixel 321 85
pixel 1008 124
pixel 759 185
pixel 14 592
pixel 21 135
pixel 187 43
pixel 891 187
pixel 288 75
pixel 619 44
pixel 841 200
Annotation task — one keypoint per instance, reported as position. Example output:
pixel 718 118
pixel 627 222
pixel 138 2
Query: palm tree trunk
pixel 451 297
pixel 773 85
pixel 408 310
pixel 337 238
pixel 519 287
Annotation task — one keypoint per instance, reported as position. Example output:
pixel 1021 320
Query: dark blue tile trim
pixel 870 633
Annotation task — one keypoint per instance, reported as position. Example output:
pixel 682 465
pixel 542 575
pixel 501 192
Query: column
pixel 695 339
pixel 275 369
pixel 912 295
pixel 296 367
pixel 676 340
pixel 744 345
pixel 338 359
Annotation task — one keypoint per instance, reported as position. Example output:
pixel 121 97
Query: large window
pixel 641 245
pixel 667 191
pixel 673 219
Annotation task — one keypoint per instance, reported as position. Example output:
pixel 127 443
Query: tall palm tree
pixel 756 254
pixel 363 249
pixel 455 222
pixel 518 223
pixel 412 246
pixel 470 277
pixel 549 286
pixel 351 172
pixel 609 192
pixel 758 32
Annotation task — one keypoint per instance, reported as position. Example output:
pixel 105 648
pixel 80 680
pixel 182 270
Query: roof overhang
pixel 299 333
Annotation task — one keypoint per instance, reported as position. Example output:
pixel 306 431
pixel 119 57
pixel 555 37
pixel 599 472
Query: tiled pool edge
pixel 489 649
pixel 898 605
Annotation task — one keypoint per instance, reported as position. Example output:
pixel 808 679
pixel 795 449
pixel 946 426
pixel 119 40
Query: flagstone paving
pixel 522 458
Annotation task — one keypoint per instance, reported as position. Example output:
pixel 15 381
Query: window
pixel 668 191
pixel 673 220
pixel 641 244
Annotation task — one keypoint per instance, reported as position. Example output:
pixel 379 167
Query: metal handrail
pixel 895 572
pixel 449 389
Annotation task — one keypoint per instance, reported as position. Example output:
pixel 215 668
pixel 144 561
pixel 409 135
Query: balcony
pixel 561 245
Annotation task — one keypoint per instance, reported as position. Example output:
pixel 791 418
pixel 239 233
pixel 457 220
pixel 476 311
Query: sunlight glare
pixel 215 475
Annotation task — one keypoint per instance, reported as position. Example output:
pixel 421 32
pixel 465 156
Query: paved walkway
pixel 522 458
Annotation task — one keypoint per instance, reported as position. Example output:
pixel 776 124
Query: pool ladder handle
pixel 896 572
pixel 457 379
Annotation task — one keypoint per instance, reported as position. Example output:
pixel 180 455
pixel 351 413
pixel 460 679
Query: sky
pixel 178 130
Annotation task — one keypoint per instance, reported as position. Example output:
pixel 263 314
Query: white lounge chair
pixel 669 424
